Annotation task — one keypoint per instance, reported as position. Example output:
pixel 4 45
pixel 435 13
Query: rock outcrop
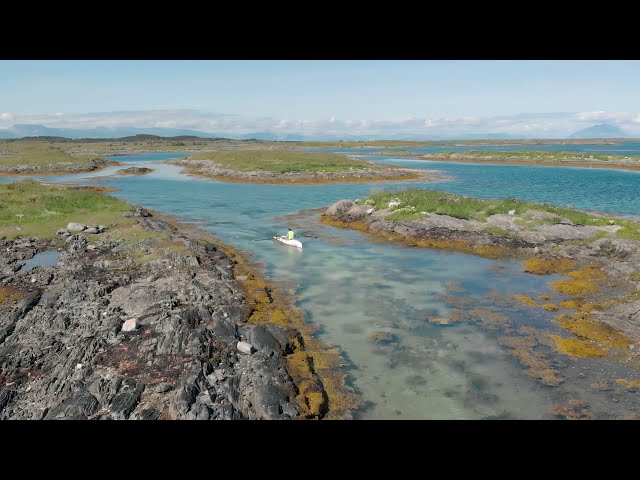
pixel 151 330
pixel 535 234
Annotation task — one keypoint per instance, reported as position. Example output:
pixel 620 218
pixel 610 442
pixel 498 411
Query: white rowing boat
pixel 291 243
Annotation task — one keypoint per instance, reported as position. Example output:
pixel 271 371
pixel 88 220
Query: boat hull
pixel 291 243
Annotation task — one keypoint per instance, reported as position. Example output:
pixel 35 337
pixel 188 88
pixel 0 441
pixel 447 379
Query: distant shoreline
pixel 613 164
pixel 29 170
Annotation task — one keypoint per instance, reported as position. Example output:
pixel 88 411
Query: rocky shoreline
pixel 154 325
pixel 603 270
pixel 377 172
pixel 57 168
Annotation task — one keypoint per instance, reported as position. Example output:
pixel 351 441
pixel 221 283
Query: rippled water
pixel 372 299
pixel 605 190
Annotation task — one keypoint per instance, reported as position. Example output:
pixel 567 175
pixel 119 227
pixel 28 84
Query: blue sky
pixel 337 94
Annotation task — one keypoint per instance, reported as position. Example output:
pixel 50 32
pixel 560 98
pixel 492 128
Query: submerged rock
pixel 135 171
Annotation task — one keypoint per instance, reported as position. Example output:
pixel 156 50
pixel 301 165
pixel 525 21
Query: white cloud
pixel 609 117
pixel 549 124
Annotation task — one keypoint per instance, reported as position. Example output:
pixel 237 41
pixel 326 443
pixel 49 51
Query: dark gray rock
pixel 262 340
pixel 126 399
pixel 5 397
pixel 63 348
pixel 357 212
pixel 162 388
pixel 78 407
pixel 141 212
pixel 339 207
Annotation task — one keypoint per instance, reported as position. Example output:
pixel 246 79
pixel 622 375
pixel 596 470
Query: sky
pixel 430 97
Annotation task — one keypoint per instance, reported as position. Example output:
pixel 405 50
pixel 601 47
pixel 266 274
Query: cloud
pixel 449 122
pixel 554 124
pixel 608 117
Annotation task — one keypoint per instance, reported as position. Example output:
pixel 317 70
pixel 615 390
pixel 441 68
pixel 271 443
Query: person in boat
pixel 290 235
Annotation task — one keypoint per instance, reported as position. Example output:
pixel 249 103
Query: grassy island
pixel 281 166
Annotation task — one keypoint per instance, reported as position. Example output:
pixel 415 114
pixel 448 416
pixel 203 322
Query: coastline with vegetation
pixel 111 312
pixel 56 155
pixel 279 166
pixel 537 158
pixel 43 158
pixel 597 296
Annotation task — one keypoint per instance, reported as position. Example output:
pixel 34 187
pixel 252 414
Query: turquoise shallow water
pixel 353 288
pixel 613 191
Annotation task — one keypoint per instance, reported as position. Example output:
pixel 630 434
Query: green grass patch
pixel 412 202
pixel 576 216
pixel 629 230
pixel 408 204
pixel 279 161
pixel 40 210
pixel 38 154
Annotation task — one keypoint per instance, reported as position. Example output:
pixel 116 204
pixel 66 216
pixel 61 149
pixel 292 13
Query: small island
pixel 108 311
pixel 598 300
pixel 280 166
pixel 134 171
pixel 41 157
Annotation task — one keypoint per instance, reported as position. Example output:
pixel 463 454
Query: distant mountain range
pixel 602 130
pixel 28 130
